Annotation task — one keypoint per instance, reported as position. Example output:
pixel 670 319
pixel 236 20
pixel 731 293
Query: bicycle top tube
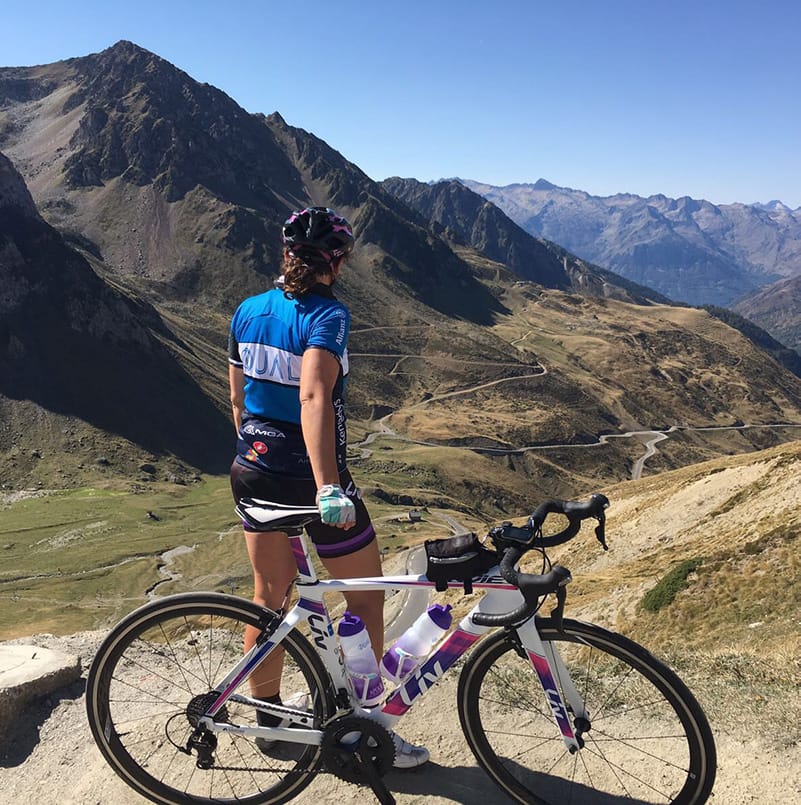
pixel 512 542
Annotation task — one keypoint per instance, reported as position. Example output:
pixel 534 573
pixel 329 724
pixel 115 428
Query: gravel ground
pixel 49 757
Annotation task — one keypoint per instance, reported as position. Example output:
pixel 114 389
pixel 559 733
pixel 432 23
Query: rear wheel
pixel 648 740
pixel 147 687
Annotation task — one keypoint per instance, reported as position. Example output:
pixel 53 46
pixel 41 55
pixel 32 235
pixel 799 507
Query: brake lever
pixel 557 613
pixel 600 531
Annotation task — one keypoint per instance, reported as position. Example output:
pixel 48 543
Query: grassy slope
pixel 733 631
pixel 81 559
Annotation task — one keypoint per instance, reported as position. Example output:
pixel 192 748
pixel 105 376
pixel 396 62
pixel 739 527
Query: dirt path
pixel 49 758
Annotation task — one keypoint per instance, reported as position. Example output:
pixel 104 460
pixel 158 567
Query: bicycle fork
pixel 560 692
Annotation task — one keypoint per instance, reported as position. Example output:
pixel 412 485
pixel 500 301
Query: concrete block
pixel 27 672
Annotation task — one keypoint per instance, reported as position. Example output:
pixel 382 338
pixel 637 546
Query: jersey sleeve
pixel 234 358
pixel 330 331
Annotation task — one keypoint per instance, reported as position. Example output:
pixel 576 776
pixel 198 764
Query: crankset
pixel 361 751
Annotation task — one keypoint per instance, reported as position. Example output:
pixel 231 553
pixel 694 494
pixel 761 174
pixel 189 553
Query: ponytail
pixel 302 270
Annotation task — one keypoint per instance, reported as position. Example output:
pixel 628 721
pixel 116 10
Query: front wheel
pixel 648 740
pixel 151 680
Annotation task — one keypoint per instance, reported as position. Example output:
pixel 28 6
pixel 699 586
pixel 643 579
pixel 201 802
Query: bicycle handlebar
pixel 511 541
pixel 514 541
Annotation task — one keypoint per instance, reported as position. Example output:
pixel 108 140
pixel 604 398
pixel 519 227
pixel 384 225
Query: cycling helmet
pixel 318 228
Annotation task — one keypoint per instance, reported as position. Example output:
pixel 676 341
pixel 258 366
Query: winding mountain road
pixel 649 438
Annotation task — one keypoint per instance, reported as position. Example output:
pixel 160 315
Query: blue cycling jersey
pixel 269 334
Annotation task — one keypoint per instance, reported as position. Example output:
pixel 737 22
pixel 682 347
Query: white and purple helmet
pixel 318 228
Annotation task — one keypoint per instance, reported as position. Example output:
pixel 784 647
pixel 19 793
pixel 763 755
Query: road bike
pixel 555 710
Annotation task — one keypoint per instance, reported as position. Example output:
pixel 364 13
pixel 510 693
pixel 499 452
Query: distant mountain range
pixel 689 250
pixel 142 206
pixel 468 219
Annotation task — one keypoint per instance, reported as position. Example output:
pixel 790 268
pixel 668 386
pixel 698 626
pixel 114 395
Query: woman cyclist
pixel 288 370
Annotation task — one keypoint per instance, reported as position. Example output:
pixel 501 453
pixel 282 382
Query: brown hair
pixel 302 270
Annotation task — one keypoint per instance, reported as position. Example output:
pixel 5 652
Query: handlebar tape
pixel 532 586
pixel 574 510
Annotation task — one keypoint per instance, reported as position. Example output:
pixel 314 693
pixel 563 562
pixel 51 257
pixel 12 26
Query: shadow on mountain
pixel 144 397
pixel 73 345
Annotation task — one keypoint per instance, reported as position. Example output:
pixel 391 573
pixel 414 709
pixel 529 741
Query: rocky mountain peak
pixel 146 121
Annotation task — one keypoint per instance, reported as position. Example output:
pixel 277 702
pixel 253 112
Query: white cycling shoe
pixel 408 756
pixel 297 701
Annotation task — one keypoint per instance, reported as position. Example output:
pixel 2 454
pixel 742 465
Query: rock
pixel 27 672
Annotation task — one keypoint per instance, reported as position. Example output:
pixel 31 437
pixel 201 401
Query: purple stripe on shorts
pixel 349 545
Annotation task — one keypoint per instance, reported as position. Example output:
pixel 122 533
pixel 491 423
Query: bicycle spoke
pixel 187 686
pixel 637 746
pixel 156 699
pixel 143 698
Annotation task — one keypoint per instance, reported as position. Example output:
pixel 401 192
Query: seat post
pixel 300 551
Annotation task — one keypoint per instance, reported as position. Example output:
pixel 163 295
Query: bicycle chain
pixel 334 731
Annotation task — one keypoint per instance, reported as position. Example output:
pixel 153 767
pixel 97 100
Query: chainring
pixel 347 738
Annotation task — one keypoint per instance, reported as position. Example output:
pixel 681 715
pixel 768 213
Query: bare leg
pixel 274 568
pixel 367 604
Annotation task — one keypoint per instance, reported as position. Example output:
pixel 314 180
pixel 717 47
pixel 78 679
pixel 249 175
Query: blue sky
pixel 681 98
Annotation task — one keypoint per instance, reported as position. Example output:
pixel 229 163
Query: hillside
pixel 470 338
pixel 77 357
pixel 776 308
pixel 731 632
pixel 687 249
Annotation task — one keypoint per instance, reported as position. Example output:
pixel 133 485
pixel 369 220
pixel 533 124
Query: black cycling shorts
pixel 329 541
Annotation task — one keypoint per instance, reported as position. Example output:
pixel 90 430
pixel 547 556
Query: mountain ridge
pixel 451 345
pixel 688 249
pixel 470 220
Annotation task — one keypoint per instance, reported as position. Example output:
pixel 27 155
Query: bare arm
pixel 236 381
pixel 319 371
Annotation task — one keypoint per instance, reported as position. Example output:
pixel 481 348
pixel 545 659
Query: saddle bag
pixel 457 559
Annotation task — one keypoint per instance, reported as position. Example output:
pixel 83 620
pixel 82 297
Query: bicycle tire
pixel 160 657
pixel 655 746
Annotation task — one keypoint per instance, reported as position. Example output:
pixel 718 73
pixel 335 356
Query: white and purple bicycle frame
pixel 500 597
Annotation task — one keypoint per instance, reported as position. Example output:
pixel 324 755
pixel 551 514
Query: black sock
pixel 268 719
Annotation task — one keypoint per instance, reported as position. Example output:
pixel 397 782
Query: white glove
pixel 335 507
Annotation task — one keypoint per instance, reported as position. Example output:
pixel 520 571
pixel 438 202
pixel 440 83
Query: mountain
pixel 82 363
pixel 469 219
pixel 465 336
pixel 689 250
pixel 179 190
pixel 776 308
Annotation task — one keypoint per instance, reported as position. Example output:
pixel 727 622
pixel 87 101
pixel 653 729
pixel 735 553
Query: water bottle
pixel 360 661
pixel 415 643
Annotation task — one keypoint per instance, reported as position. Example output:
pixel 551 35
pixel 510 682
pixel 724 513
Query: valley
pixel 491 369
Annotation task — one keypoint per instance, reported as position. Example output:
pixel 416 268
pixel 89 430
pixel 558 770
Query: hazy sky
pixel 698 98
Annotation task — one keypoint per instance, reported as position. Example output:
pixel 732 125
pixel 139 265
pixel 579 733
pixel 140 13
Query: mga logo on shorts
pixel 260 447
